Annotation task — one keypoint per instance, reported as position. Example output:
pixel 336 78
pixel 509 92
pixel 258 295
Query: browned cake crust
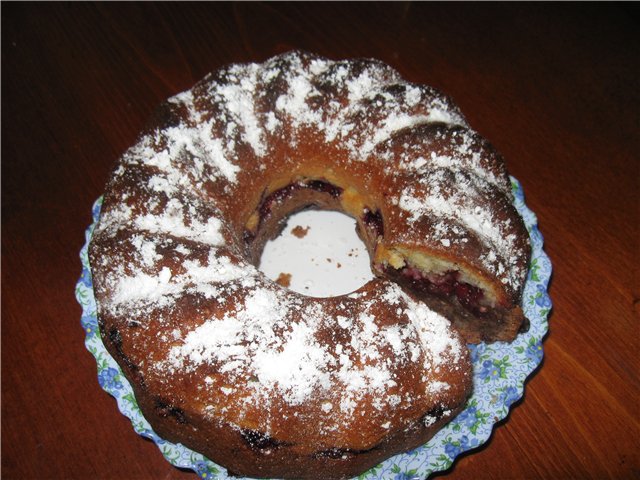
pixel 267 382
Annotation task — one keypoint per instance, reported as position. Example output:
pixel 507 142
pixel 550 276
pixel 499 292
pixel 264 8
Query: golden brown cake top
pixel 210 334
pixel 248 124
pixel 170 259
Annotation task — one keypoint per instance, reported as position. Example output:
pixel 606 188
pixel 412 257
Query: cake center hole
pixel 318 254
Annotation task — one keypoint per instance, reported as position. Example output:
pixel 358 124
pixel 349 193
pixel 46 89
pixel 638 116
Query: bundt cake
pixel 265 381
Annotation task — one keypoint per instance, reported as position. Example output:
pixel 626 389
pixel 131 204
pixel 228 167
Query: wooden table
pixel 554 87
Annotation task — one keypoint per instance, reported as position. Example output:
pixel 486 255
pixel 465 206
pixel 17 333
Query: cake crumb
pixel 300 231
pixel 284 279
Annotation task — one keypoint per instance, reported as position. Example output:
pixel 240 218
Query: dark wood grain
pixel 554 87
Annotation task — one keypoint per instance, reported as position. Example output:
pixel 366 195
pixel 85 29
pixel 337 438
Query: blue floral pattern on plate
pixel 500 372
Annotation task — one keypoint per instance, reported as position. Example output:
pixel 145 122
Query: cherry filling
pixel 445 285
pixel 276 197
pixel 324 187
pixel 436 412
pixel 279 196
pixel 276 206
pixel 259 440
pixel 165 409
pixel 373 222
pixel 341 453
pixel 116 340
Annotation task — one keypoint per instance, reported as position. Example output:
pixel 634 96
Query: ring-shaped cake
pixel 265 381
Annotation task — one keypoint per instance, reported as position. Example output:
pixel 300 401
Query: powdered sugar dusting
pixel 244 342
pixel 172 221
pixel 263 338
pixel 338 120
pixel 239 100
pixel 158 286
pixel 297 368
pixel 455 196
pixel 166 239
